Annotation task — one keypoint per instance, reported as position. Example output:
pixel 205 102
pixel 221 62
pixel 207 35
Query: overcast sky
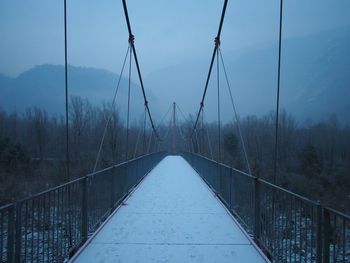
pixel 167 33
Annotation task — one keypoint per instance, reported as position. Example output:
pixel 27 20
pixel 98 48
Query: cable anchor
pixel 131 39
pixel 217 41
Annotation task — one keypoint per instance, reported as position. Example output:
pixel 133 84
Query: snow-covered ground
pixel 171 217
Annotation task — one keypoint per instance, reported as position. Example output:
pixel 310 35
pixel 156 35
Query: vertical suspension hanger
pixel 144 133
pixel 208 139
pixel 67 121
pixel 137 142
pixel 217 44
pixel 66 91
pixel 235 112
pixel 131 43
pixel 197 143
pixel 111 110
pixel 149 142
pixel 202 133
pixel 278 93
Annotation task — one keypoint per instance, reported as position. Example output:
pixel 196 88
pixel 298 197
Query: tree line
pixel 313 158
pixel 33 145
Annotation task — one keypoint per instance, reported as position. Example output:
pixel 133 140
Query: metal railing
pixel 52 225
pixel 286 226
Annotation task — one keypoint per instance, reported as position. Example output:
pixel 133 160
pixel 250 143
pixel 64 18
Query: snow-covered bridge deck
pixel 172 216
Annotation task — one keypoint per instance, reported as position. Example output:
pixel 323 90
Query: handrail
pixel 338 213
pixel 53 224
pixel 287 226
pixel 267 183
pixel 7 206
pixel 78 179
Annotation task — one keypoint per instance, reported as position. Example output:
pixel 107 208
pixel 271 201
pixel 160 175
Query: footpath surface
pixel 171 217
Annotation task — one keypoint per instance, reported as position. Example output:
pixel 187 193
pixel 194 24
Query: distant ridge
pixel 43 86
pixel 315 78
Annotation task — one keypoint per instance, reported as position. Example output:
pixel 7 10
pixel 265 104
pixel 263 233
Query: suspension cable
pixel 182 114
pixel 197 143
pixel 144 132
pixel 137 143
pixel 208 138
pixel 179 126
pixel 181 133
pixel 150 140
pixel 128 111
pixel 131 40
pixel 235 112
pixel 164 116
pixel 167 131
pixel 217 40
pixel 278 93
pixel 111 111
pixel 67 121
pixel 187 120
pixel 66 91
pixel 186 140
pixel 218 93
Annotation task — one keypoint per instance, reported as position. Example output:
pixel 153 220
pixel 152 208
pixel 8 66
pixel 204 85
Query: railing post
pixel 18 238
pixel 112 194
pixel 326 235
pixel 256 209
pixel 319 234
pixel 230 204
pixel 84 214
pixel 10 237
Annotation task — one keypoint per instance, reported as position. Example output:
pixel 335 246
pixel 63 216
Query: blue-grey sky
pixel 168 34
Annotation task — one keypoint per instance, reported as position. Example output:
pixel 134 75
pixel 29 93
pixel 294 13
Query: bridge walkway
pixel 172 216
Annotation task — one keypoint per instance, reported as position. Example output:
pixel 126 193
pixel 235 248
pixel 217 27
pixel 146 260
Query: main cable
pixel 217 41
pixel 131 41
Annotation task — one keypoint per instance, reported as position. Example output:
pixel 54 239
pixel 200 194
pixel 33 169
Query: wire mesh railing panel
pixel 99 198
pixel 52 225
pixel 286 226
pixel 337 229
pixel 6 233
pixel 242 203
pixel 46 224
pixel 224 182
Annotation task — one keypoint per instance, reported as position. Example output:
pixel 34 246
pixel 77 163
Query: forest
pixel 313 157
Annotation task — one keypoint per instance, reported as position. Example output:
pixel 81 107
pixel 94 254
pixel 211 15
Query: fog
pixel 174 41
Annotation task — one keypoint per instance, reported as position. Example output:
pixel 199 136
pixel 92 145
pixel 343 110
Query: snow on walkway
pixel 171 217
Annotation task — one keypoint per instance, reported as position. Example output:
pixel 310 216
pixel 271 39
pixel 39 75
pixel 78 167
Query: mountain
pixel 315 79
pixel 4 80
pixel 315 82
pixel 43 86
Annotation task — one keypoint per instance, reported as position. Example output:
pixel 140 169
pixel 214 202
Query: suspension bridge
pixel 172 203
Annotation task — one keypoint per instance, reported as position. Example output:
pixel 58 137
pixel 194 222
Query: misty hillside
pixel 315 82
pixel 315 79
pixel 43 86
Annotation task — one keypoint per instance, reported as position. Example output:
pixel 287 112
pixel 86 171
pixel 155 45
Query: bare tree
pixel 38 123
pixel 80 113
